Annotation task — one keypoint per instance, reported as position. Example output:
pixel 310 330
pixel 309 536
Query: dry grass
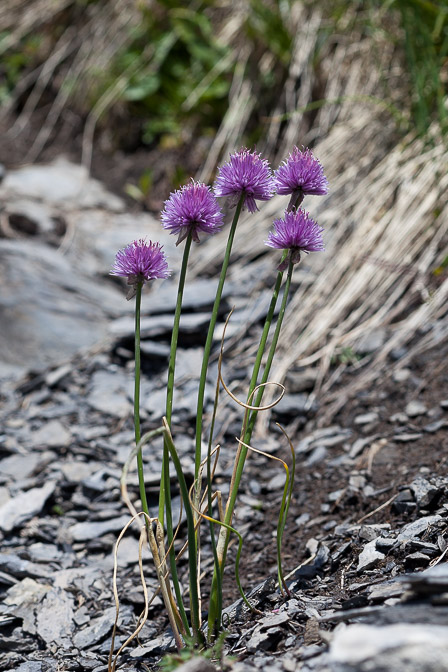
pixel 386 216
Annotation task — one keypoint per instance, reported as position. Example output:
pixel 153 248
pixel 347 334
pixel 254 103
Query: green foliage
pixel 346 356
pixel 14 62
pixel 267 25
pixel 184 51
pixel 425 25
pixel 418 29
pixel 170 78
pixel 214 653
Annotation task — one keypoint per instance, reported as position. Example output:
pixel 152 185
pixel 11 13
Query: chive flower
pixel 300 174
pixel 297 233
pixel 246 173
pixel 192 209
pixel 139 262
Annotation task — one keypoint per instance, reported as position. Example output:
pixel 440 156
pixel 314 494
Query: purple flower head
pixel 299 175
pixel 192 209
pixel 297 232
pixel 140 261
pixel 245 174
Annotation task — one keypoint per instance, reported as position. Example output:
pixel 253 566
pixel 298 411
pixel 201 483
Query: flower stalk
pixel 190 212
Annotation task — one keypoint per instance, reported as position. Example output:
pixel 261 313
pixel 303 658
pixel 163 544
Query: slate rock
pixel 19 466
pixel 54 618
pixel 407 437
pixel 431 581
pixel 22 600
pixel 60 183
pixel 52 434
pixel 434 427
pixel 40 552
pixel 263 639
pixel 417 527
pixel 199 295
pixel 109 393
pixel 399 418
pixel 162 644
pixel 366 418
pixel 369 556
pixel 154 350
pixel 399 647
pixel 30 666
pixel 93 530
pixel 24 506
pixel 318 455
pixel 371 341
pixel 96 630
pixel 401 375
pixel 18 567
pixel 415 560
pixel 415 408
pixel 31 218
pixel 54 311
pixel 197 664
pixel 424 491
pixel 300 381
pixel 161 325
pixel 293 405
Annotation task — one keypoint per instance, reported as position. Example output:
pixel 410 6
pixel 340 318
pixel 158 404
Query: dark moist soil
pixel 114 167
pixel 388 468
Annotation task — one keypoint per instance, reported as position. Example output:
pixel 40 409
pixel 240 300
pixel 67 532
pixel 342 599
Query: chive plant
pixel 190 211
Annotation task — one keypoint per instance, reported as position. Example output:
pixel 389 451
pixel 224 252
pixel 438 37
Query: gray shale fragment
pixel 52 435
pixel 19 568
pixel 96 631
pixel 109 393
pixel 399 647
pixel 366 418
pixel 419 526
pixel 24 506
pixel 87 531
pixel 22 600
pixel 424 492
pixel 54 618
pixel 197 665
pixel 415 408
pixel 369 556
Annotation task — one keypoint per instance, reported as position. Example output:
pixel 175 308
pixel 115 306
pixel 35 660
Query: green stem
pixel 271 353
pixel 192 554
pixel 165 487
pixel 217 584
pixel 208 342
pixel 238 469
pixel 264 335
pixel 217 573
pixel 141 478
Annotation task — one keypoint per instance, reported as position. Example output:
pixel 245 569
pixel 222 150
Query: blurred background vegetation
pixel 146 93
pixel 112 78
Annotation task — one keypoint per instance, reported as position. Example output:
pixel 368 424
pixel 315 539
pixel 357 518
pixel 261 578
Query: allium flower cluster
pixel 192 209
pixel 299 175
pixel 248 175
pixel 298 233
pixel 139 262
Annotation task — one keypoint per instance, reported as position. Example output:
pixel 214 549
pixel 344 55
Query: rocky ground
pixel 365 545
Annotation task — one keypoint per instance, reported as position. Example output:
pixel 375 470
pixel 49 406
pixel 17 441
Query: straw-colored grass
pixel 386 217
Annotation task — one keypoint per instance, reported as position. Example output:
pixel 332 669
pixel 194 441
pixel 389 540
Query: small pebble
pixel 415 408
pixel 401 375
pixel 366 418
